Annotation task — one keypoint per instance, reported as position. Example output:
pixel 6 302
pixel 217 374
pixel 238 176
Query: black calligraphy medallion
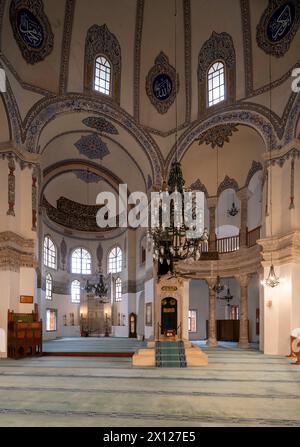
pixel 31 29
pixel 162 87
pixel 162 84
pixel 278 26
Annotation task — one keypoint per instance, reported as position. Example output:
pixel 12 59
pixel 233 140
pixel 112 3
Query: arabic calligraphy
pixel 162 87
pixel 30 29
pixel 280 22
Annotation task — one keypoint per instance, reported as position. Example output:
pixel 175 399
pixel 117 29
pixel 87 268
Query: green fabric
pixel 26 318
pixel 170 354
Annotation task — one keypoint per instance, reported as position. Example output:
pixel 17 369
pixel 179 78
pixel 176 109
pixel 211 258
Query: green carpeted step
pixel 169 354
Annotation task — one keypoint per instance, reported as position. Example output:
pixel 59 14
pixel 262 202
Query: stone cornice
pixel 244 261
pixel 283 152
pixel 284 248
pixel 16 252
pixel 7 150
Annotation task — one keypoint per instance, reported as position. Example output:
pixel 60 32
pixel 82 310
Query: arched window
pixel 49 286
pixel 216 83
pixel 115 260
pixel 50 254
pixel 102 81
pixel 75 291
pixel 81 261
pixel 118 290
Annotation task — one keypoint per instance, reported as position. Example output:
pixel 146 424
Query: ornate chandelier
pixel 272 279
pixel 171 243
pixel 228 297
pixel 99 289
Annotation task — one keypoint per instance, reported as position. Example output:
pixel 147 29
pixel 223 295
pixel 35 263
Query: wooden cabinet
pixel 24 335
pixel 227 330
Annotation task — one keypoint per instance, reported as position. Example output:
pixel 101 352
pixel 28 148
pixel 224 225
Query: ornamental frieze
pixel 74 215
pixel 278 26
pixel 32 29
pixel 162 84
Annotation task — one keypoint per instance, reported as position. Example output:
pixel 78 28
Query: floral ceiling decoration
pixel 87 176
pixel 100 124
pixel 92 146
pixel 218 135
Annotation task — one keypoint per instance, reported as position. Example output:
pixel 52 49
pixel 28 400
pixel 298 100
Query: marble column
pixel 243 195
pixel 243 339
pixel 212 325
pixel 212 203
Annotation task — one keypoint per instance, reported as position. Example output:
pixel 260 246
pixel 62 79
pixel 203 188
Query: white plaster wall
pixel 149 298
pixel 64 306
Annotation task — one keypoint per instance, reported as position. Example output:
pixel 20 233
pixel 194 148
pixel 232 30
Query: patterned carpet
pixel 237 388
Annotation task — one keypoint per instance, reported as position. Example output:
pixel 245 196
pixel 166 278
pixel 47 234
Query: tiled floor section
pixel 238 387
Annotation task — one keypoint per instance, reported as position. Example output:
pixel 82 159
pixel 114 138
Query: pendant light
pixel 272 280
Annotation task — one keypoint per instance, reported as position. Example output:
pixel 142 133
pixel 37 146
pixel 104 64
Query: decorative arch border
pixel 100 41
pixel 227 183
pixel 248 116
pixel 219 47
pixel 293 118
pixel 48 109
pixel 199 186
pixel 110 138
pixel 62 167
pixel 12 111
pixel 255 167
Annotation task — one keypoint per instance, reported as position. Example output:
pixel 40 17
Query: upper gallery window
pixel 115 260
pixel 216 83
pixel 81 261
pixel 118 290
pixel 102 82
pixel 50 254
pixel 75 291
pixel 49 286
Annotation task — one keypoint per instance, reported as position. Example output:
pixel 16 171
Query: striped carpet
pixel 237 388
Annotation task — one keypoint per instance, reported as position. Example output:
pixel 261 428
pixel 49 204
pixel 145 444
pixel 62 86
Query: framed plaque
pixel 26 299
pixel 148 314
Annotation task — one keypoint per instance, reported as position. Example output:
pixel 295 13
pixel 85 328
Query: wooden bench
pixel 24 335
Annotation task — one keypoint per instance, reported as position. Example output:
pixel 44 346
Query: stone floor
pixel 237 388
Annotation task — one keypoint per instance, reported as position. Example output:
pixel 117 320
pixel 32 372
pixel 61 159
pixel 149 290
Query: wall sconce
pixel 269 303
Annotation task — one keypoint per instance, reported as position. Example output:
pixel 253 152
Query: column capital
pixel 244 194
pixel 211 282
pixel 243 279
pixel 212 202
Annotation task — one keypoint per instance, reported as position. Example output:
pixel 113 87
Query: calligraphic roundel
pixel 278 26
pixel 162 84
pixel 31 29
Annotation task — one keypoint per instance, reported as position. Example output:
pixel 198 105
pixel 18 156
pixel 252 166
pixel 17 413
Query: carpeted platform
pixel 237 388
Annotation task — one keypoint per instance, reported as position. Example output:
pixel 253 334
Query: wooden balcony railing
pixel 228 244
pixel 253 236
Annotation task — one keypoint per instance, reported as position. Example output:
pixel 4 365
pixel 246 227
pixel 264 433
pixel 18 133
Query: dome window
pixel 102 80
pixel 216 83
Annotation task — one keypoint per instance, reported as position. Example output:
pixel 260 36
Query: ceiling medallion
pixel 32 29
pixel 92 146
pixel 162 84
pixel 87 176
pixel 100 124
pixel 218 135
pixel 278 26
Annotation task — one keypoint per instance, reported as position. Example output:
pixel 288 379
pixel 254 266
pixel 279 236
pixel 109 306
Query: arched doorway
pixel 169 316
pixel 132 325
